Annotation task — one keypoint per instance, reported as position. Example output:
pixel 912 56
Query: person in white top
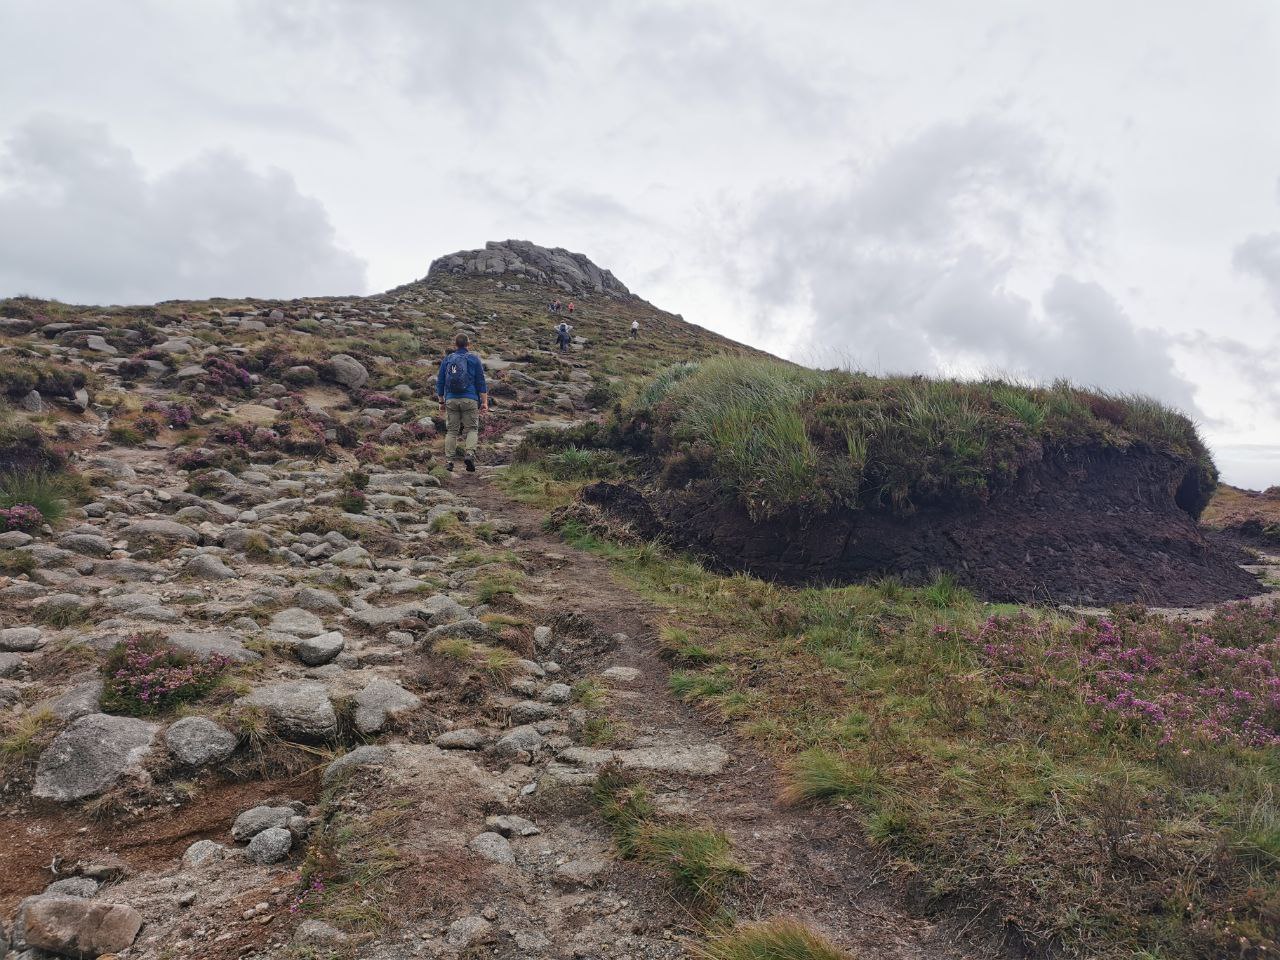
pixel 635 329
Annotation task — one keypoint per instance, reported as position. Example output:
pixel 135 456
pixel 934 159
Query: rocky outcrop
pixel 519 260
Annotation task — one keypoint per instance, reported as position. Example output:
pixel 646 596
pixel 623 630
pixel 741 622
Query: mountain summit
pixel 573 273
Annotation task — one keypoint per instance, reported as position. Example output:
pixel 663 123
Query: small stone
pixel 202 852
pixel 84 887
pixel 271 845
pixel 519 740
pixel 531 711
pixel 583 872
pixel 253 821
pixel 349 371
pixel 510 825
pixel 317 651
pixel 493 847
pixel 205 566
pixel 466 931
pixel 464 739
pixel 557 693
pixel 296 622
pixel 197 741
pixel 380 702
pixel 366 756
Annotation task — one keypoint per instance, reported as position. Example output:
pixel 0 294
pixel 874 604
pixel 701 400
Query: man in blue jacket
pixel 463 397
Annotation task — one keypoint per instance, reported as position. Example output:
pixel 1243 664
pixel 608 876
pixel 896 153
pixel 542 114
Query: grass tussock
pixel 698 860
pixel 785 437
pixel 780 939
pixel 48 492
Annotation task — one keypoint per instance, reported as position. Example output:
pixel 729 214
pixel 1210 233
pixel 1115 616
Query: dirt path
pixel 805 864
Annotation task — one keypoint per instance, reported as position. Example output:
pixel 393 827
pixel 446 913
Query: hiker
pixel 571 308
pixel 562 335
pixel 635 329
pixel 555 305
pixel 464 396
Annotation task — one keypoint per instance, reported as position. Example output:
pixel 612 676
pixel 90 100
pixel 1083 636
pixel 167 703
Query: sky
pixel 1065 188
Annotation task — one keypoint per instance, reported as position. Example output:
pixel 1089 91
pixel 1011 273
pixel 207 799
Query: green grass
pixel 1091 837
pixel 47 492
pixel 781 939
pixel 784 437
pixel 823 774
pixel 698 860
pixel 24 738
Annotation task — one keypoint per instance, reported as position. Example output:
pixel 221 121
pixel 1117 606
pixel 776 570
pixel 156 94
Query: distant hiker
pixel 463 397
pixel 571 308
pixel 555 305
pixel 562 335
pixel 635 329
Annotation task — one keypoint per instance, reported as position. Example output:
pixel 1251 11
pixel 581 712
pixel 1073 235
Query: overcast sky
pixel 1080 189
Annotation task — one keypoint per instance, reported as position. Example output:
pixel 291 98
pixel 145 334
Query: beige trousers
pixel 461 414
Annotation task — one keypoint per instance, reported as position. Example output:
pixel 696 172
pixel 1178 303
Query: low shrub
pixel 144 675
pixel 23 517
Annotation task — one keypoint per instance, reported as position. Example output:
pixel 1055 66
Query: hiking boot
pixel 471 465
pixel 449 466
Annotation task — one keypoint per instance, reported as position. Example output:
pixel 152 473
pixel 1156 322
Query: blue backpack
pixel 457 373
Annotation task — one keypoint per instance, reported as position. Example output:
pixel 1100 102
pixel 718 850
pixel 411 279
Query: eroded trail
pixel 804 864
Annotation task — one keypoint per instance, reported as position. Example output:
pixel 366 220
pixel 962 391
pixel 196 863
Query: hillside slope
pixel 274 684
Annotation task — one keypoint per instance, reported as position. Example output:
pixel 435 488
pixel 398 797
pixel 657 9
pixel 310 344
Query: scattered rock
pixel 366 756
pixel 466 931
pixel 583 872
pixel 296 622
pixel 465 739
pixel 75 927
pixel 197 741
pixel 271 845
pixel 317 651
pixel 300 708
pixel 20 639
pixel 349 371
pixel 205 566
pixel 256 819
pixel 91 755
pixel 493 847
pixel 380 702
pixel 202 852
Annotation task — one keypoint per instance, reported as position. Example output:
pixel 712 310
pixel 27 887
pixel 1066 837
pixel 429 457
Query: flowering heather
pixel 145 675
pixel 177 415
pixel 21 516
pixel 223 376
pixel 1217 681
pixel 380 400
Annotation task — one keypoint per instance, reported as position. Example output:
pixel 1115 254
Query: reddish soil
pixel 155 839
pixel 1091 527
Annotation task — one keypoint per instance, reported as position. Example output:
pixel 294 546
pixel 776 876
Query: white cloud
pixel 81 220
pixel 954 250
pixel 1259 255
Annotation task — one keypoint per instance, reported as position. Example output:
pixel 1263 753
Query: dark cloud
pixel 80 220
pixel 918 261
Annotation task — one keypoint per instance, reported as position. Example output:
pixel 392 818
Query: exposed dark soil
pixel 1090 526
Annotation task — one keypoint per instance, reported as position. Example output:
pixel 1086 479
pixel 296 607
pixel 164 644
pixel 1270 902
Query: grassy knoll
pixel 783 436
